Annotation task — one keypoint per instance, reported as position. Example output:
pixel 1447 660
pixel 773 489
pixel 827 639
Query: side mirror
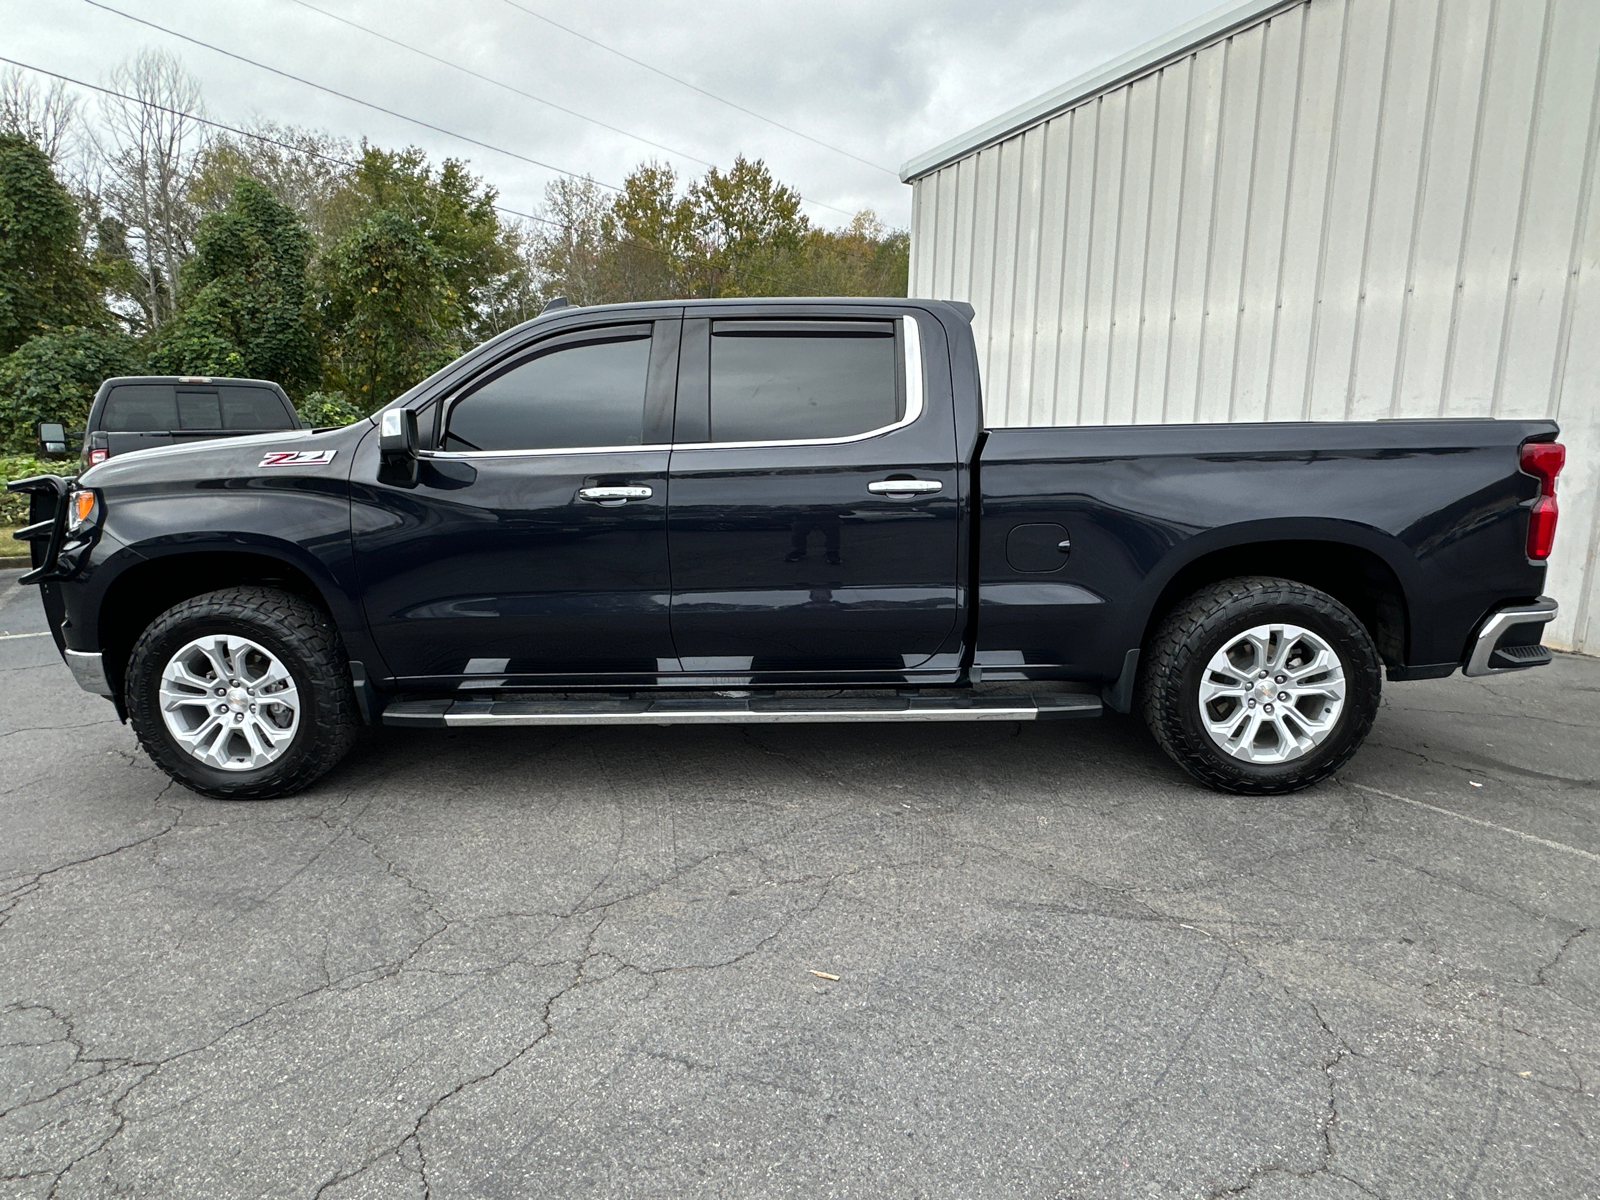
pixel 52 439
pixel 397 448
pixel 397 433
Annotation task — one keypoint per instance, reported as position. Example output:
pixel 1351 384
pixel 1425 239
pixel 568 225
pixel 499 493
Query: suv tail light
pixel 96 457
pixel 1543 460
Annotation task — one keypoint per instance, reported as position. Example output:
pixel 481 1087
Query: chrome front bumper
pixel 1482 660
pixel 88 670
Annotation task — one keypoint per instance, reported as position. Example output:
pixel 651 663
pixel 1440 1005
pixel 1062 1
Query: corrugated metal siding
pixel 1352 209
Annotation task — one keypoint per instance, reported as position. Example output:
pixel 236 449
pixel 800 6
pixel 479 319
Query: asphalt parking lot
pixel 586 962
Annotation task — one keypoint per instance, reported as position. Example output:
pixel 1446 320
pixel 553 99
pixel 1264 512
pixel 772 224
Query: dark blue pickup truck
pixel 784 510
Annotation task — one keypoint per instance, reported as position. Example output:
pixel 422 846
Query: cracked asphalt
pixel 584 962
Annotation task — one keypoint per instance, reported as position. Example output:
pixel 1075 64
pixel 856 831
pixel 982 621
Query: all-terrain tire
pixel 304 640
pixel 1175 662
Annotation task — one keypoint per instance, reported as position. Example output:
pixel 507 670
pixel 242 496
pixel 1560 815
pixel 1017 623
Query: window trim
pixel 916 404
pixel 528 353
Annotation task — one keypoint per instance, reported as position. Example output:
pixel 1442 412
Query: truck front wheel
pixel 242 694
pixel 1260 686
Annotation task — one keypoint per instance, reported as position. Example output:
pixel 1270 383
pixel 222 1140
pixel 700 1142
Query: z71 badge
pixel 299 458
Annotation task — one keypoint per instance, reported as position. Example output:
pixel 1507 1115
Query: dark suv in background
pixel 141 411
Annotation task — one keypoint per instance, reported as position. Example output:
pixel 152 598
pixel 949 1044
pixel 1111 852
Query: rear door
pixel 532 542
pixel 813 523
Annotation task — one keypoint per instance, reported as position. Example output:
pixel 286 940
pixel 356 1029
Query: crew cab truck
pixel 784 511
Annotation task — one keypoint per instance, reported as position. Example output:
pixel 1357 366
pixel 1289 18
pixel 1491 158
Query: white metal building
pixel 1313 209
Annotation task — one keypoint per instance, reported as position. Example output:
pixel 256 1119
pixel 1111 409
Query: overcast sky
pixel 882 79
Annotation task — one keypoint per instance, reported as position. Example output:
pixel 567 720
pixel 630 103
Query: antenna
pixel 552 305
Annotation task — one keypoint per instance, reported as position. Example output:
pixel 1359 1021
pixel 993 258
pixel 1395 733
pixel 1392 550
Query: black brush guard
pixel 47 522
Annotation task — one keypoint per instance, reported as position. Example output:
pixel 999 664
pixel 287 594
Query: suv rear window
pixel 785 381
pixel 160 407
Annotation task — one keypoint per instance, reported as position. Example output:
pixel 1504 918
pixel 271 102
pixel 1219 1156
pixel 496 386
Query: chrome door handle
pixel 614 495
pixel 904 487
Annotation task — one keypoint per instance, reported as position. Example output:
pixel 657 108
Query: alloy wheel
pixel 230 702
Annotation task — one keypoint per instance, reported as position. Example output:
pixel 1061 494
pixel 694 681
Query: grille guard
pixel 47 515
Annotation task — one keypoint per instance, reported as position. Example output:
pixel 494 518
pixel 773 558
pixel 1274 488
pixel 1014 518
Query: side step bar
pixel 717 710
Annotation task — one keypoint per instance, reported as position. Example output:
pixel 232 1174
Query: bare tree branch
pixel 147 154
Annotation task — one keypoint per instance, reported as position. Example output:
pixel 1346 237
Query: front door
pixel 813 522
pixel 532 542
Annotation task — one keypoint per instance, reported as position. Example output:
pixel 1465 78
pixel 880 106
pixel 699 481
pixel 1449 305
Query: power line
pixel 346 96
pixel 260 137
pixel 703 92
pixel 530 96
pixel 499 84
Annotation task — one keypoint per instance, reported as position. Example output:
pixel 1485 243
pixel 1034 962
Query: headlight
pixel 82 508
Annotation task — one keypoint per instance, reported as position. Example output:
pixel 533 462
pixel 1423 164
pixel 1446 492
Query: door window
pixel 584 394
pixel 794 380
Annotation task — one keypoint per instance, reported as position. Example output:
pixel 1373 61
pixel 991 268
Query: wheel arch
pixel 1362 568
pixel 148 588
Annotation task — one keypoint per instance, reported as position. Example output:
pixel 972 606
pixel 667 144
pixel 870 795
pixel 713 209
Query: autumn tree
pixel 744 227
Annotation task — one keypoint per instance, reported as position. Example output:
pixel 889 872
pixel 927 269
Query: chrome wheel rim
pixel 1272 694
pixel 229 702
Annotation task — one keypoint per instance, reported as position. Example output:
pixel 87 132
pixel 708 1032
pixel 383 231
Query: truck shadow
pixel 1115 752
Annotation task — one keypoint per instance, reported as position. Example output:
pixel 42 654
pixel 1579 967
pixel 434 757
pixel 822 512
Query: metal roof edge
pixel 1206 28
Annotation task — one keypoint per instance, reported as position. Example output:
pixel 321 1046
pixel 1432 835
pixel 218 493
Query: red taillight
pixel 1543 460
pixel 96 457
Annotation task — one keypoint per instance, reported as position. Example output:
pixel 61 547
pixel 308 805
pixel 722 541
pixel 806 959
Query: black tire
pixel 305 642
pixel 1175 661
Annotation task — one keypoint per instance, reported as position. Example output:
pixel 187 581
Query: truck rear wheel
pixel 1260 686
pixel 242 694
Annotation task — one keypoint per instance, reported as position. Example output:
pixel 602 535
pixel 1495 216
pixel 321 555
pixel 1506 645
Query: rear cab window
pixel 170 408
pixel 141 408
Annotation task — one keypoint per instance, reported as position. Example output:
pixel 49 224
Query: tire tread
pixel 1163 668
pixel 292 619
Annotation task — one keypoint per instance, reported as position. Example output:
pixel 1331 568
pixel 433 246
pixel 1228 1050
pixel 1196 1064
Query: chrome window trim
pixel 541 453
pixel 915 403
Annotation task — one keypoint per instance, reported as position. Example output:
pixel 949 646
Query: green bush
pixel 320 410
pixel 54 377
pixel 14 505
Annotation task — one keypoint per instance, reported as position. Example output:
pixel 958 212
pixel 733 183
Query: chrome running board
pixel 720 710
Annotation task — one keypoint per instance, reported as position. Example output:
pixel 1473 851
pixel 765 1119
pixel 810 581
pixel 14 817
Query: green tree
pixel 54 376
pixel 865 258
pixel 451 209
pixel 301 167
pixel 571 251
pixel 46 280
pixel 745 228
pixel 739 233
pixel 648 232
pixel 325 409
pixel 390 310
pixel 248 308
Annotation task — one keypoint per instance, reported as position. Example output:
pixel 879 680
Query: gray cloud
pixel 883 79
